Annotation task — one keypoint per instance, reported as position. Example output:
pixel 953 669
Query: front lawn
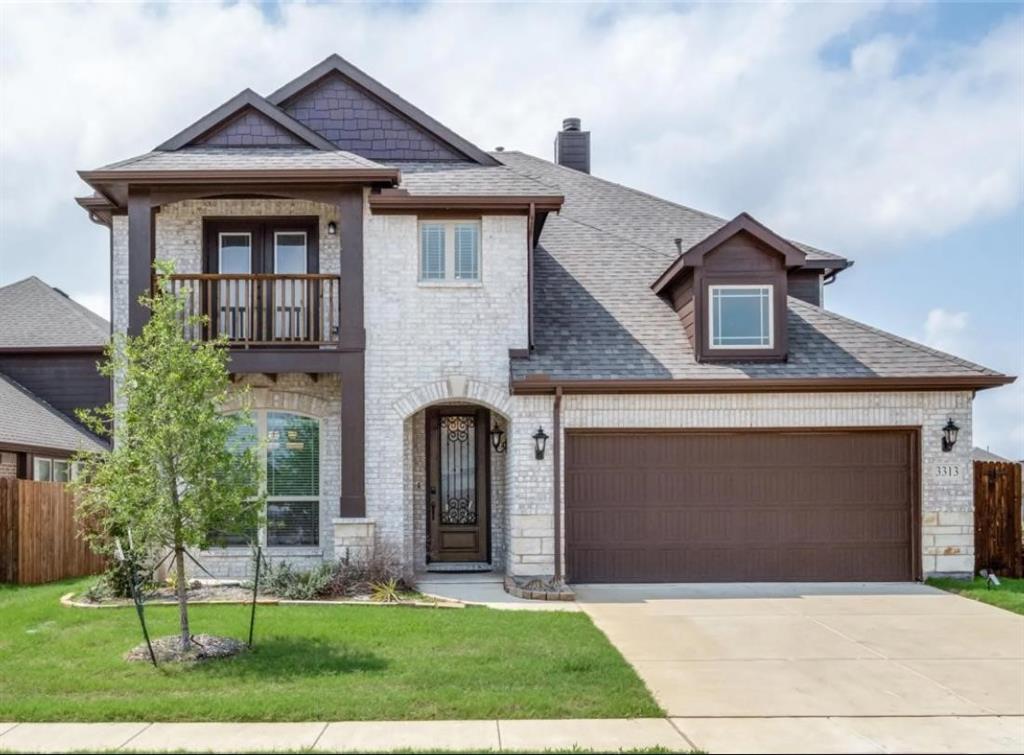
pixel 1009 595
pixel 309 663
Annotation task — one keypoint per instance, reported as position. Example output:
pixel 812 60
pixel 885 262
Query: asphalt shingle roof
pixel 27 420
pixel 596 316
pixel 32 314
pixel 442 178
pixel 629 214
pixel 243 158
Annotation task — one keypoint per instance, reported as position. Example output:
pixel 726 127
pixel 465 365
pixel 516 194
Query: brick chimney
pixel 572 146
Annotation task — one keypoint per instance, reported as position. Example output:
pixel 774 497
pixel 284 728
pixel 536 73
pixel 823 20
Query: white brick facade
pixel 429 344
pixel 432 344
pixel 947 529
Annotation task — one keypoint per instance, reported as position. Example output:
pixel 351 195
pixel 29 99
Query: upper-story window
pixel 235 252
pixel 450 250
pixel 289 252
pixel 741 317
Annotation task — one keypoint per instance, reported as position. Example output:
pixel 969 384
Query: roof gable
pixel 359 114
pixel 250 128
pixel 245 112
pixel 35 316
pixel 742 223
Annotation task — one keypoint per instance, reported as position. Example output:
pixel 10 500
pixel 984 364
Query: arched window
pixel 290 456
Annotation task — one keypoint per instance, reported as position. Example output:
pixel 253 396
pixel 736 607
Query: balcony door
pixel 260 294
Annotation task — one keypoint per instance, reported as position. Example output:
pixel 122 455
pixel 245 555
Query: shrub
pixel 285 581
pixel 385 592
pixel 358 576
pixel 115 582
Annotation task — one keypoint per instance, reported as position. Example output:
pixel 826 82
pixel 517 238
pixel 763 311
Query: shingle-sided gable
pixel 361 115
pixel 250 128
pixel 354 121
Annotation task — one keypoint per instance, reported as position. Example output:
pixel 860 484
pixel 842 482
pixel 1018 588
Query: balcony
pixel 260 311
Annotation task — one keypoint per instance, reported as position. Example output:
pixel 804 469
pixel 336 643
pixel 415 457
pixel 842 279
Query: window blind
pixel 294 523
pixel 432 251
pixel 293 455
pixel 467 251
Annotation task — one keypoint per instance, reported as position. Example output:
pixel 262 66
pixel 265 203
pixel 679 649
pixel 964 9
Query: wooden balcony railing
pixel 263 310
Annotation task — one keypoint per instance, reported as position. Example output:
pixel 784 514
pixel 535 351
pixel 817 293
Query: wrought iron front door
pixel 458 504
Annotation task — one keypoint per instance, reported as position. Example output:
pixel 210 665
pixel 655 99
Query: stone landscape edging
pixel 69 601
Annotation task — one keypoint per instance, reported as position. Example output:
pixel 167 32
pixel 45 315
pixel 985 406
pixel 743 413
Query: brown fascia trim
pixel 540 385
pixel 795 257
pixel 412 203
pixel 288 175
pixel 337 64
pixel 99 209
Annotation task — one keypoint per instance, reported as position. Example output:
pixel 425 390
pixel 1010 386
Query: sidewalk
pixel 990 734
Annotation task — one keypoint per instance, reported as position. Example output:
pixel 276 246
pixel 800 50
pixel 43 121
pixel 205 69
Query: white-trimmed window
pixel 46 469
pixel 234 253
pixel 741 317
pixel 290 457
pixel 289 252
pixel 450 250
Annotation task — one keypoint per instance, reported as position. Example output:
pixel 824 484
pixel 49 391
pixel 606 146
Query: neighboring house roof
pixel 34 315
pixel 983 454
pixel 28 421
pixel 596 317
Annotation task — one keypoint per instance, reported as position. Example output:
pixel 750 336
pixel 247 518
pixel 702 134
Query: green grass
pixel 1009 595
pixel 310 663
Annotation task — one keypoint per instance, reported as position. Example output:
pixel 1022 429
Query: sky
pixel 890 133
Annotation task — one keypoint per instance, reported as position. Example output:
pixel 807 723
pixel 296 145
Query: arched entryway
pixel 455 477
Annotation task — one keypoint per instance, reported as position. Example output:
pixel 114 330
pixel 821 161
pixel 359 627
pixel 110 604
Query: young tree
pixel 174 477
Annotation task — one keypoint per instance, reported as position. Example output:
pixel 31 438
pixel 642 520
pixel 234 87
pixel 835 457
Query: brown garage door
pixel 652 506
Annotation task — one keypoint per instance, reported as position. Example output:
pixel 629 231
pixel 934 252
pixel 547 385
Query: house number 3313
pixel 947 470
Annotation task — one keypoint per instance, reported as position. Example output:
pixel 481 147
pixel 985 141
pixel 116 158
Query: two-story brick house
pixel 488 360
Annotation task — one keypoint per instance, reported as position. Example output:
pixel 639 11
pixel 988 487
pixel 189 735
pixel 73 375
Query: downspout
pixel 556 451
pixel 531 219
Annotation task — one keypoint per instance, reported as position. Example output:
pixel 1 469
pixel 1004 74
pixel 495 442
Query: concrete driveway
pixel 851 656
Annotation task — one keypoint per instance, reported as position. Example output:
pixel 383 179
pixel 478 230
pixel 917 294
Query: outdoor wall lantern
pixel 498 439
pixel 540 440
pixel 949 433
pixel 332 228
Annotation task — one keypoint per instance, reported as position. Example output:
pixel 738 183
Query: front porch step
pixel 459 567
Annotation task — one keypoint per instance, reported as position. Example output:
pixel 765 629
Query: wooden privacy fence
pixel 997 518
pixel 39 539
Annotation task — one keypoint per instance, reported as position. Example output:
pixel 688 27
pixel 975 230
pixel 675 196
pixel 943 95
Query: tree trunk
pixel 179 562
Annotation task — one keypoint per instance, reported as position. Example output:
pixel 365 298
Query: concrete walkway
pixel 944 734
pixel 483 589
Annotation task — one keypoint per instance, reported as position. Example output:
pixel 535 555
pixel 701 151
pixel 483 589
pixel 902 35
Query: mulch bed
pixel 204 647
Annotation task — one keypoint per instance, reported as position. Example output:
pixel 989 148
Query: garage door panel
pixel 696 506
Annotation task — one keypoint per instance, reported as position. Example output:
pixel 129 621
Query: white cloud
pixel 724 107
pixel 944 330
pixel 998 412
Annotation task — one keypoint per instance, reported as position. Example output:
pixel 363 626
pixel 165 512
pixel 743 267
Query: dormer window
pixel 741 317
pixel 730 291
